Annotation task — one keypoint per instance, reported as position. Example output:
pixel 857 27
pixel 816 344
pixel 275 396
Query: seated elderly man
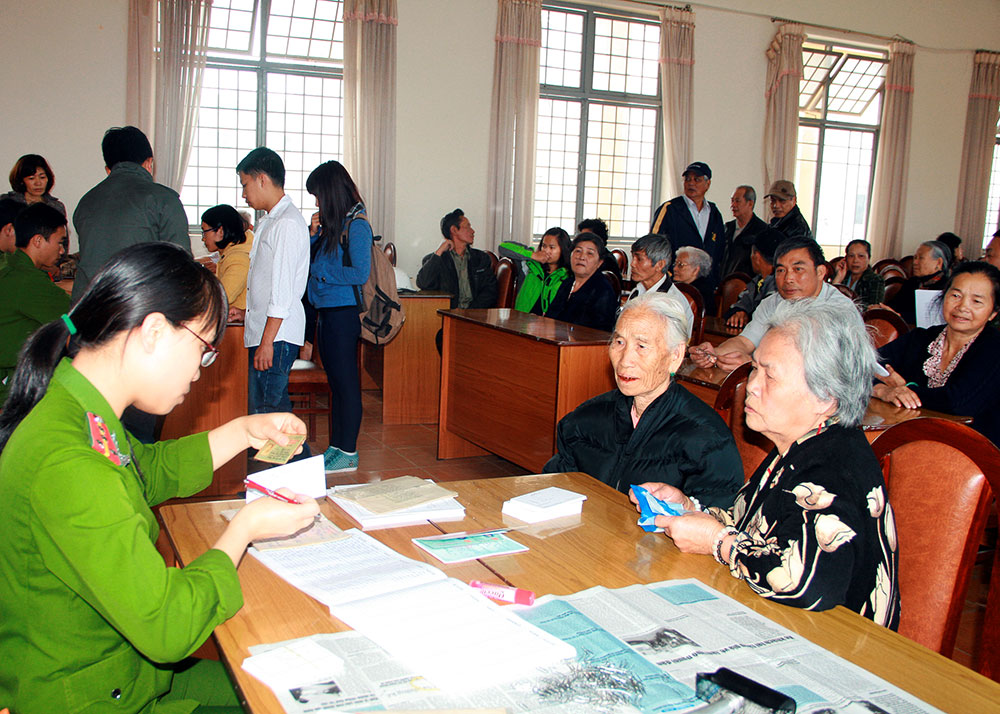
pixel 652 257
pixel 693 267
pixel 650 428
pixel 813 527
pixel 799 269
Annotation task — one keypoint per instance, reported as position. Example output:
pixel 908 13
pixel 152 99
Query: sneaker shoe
pixel 336 461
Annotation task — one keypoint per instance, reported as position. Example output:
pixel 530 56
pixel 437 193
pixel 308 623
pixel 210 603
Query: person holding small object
pixel 955 367
pixel 812 528
pixel 91 618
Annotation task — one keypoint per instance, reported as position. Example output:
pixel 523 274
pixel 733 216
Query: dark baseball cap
pixel 698 168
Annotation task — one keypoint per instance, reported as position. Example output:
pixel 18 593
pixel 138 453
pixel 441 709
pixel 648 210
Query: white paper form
pixel 339 571
pixel 306 476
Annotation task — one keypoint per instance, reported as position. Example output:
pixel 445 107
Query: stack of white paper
pixel 448 509
pixel 543 505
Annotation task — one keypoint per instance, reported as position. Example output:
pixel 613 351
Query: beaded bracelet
pixel 717 546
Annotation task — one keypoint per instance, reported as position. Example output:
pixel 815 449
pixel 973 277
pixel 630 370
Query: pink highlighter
pixel 504 594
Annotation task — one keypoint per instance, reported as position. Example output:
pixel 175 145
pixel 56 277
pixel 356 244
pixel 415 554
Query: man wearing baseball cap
pixel 787 217
pixel 691 220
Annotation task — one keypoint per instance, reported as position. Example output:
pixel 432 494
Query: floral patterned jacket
pixel 816 529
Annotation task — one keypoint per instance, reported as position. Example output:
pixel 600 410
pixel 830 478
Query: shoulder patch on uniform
pixel 102 440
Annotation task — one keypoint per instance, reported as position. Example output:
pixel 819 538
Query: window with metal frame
pixel 993 202
pixel 840 107
pixel 598 146
pixel 273 77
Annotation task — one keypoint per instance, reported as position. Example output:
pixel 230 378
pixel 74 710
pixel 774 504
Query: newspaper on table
pixel 660 634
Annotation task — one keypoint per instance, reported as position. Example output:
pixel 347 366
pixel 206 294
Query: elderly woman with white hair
pixel 694 267
pixel 812 528
pixel 650 428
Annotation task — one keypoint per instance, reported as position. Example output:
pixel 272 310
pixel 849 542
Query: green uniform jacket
pixel 88 610
pixel 28 300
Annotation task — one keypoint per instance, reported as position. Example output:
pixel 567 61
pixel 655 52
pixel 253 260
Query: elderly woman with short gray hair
pixel 694 267
pixel 931 263
pixel 813 527
pixel 650 428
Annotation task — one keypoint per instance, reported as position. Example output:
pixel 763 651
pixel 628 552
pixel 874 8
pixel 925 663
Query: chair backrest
pixel 616 284
pixel 892 286
pixel 846 291
pixel 698 308
pixel 505 283
pixel 831 268
pixel 729 289
pixel 906 263
pixel 884 325
pixel 753 446
pixel 881 265
pixel 390 252
pixel 622 259
pixel 493 259
pixel 893 271
pixel 935 471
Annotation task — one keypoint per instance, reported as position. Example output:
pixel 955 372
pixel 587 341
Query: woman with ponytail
pixel 91 619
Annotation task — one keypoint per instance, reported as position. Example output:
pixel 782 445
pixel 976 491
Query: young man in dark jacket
pixel 458 268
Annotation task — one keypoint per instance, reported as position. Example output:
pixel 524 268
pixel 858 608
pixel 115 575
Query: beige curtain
pixel 183 36
pixel 781 118
pixel 676 85
pixel 370 107
pixel 513 120
pixel 140 72
pixel 977 150
pixel 885 217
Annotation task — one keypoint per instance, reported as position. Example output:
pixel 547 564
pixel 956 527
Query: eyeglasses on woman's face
pixel 210 353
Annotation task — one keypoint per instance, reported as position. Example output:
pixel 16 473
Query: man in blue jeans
pixel 274 321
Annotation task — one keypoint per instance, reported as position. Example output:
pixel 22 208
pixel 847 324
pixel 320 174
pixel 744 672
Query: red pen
pixel 267 492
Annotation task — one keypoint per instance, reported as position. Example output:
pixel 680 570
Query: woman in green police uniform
pixel 91 620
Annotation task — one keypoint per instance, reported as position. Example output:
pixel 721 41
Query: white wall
pixel 65 75
pixel 63 85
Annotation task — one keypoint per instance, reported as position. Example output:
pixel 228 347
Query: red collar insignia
pixel 102 440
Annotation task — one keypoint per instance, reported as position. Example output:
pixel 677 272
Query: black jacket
pixel 679 440
pixel 793 224
pixel 737 253
pixel 438 273
pixel 593 305
pixel 972 389
pixel 673 220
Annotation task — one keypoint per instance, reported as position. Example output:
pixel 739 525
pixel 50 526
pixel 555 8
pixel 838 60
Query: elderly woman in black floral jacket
pixel 813 527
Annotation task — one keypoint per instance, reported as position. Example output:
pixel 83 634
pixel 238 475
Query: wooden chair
pixel 390 252
pixel 505 283
pixel 493 259
pixel 753 446
pixel 846 291
pixel 906 263
pixel 893 271
pixel 939 474
pixel 622 259
pixel 884 325
pixel 616 284
pixel 729 289
pixel 698 308
pixel 892 286
pixel 884 263
pixel 305 387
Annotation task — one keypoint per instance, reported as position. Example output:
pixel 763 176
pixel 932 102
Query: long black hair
pixel 337 194
pixel 562 237
pixel 136 282
pixel 229 220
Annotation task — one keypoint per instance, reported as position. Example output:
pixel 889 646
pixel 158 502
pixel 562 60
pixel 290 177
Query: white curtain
pixel 885 218
pixel 370 107
pixel 676 85
pixel 781 119
pixel 183 36
pixel 513 120
pixel 140 75
pixel 977 150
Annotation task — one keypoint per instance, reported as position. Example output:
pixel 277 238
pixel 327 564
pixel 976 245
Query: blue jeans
pixel 268 390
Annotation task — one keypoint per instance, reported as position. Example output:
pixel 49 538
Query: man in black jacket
pixel 741 231
pixel 458 268
pixel 787 217
pixel 676 219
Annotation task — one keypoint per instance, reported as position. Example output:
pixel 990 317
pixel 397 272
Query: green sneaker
pixel 336 461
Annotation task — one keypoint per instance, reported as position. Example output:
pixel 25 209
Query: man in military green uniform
pixel 28 298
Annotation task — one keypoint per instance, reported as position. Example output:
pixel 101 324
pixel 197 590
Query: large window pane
pixel 844 189
pixel 562 48
pixel 557 156
pixel 307 29
pixel 993 202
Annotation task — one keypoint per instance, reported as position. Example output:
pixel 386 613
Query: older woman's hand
pixel 664 492
pixel 693 532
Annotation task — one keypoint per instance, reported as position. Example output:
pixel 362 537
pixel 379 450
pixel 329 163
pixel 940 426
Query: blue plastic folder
pixel 653 507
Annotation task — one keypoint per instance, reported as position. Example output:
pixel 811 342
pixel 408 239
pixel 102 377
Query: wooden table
pixel 408 368
pixel 219 396
pixel 716 330
pixel 508 377
pixel 605 548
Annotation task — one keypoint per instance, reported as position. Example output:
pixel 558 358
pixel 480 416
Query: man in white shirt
pixel 799 270
pixel 651 259
pixel 274 321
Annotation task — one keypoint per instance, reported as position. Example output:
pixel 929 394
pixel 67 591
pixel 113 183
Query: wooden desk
pixel 408 368
pixel 606 548
pixel 219 395
pixel 716 330
pixel 508 377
